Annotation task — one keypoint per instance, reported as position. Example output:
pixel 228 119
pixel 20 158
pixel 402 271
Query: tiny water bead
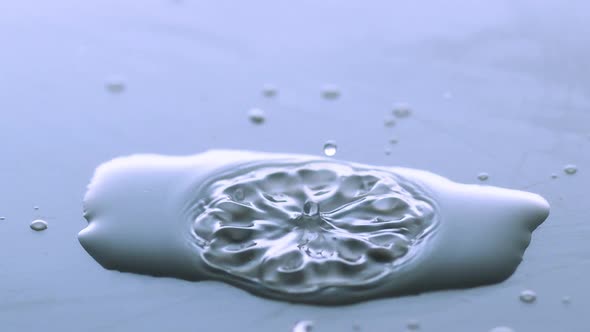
pixel 269 91
pixel 554 176
pixel 413 325
pixel 38 225
pixel 115 85
pixel 330 148
pixel 387 151
pixel 483 176
pixel 393 141
pixel 2 218
pixel 528 296
pixel 35 208
pixel 566 300
pixel 330 92
pixel 570 169
pixel 256 116
pixel 303 326
pixel 401 110
pixel 502 329
pixel 389 121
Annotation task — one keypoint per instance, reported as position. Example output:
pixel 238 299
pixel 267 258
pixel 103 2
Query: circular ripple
pixel 300 228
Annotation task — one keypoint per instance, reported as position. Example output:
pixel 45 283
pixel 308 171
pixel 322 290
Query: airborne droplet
pixel 38 225
pixel 483 176
pixel 528 296
pixel 330 148
pixel 256 116
pixel 330 92
pixel 269 91
pixel 413 325
pixel 115 85
pixel 570 169
pixel 401 110
pixel 303 326
pixel 389 121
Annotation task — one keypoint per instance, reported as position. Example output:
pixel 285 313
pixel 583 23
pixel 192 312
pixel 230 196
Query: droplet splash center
pixel 304 228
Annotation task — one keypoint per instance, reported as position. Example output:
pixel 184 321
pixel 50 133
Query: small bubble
pixel 502 329
pixel 256 116
pixel 566 300
pixel 115 85
pixel 483 176
pixel 389 121
pixel 2 218
pixel 35 208
pixel 554 176
pixel 413 325
pixel 401 110
pixel 393 141
pixel 303 326
pixel 356 327
pixel 330 148
pixel 570 169
pixel 528 296
pixel 269 91
pixel 38 225
pixel 330 92
pixel 387 151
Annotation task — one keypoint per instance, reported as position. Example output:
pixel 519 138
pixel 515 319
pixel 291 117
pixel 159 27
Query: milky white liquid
pixel 304 228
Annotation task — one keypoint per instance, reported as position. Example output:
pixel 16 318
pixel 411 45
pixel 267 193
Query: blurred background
pixel 500 87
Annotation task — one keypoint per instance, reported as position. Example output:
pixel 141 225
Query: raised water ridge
pixel 304 228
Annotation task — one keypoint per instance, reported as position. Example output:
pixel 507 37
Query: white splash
pixel 304 228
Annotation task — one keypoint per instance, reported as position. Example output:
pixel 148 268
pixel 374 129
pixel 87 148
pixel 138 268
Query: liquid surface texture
pixel 304 228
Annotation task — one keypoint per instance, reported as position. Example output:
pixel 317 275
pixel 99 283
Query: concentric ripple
pixel 300 228
pixel 304 228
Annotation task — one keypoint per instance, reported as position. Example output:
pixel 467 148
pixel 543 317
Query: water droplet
pixel 483 176
pixel 528 296
pixel 2 218
pixel 401 110
pixel 303 326
pixel 413 325
pixel 269 91
pixel 393 141
pixel 330 92
pixel 566 300
pixel 502 329
pixel 256 116
pixel 38 225
pixel 356 327
pixel 330 148
pixel 554 176
pixel 115 85
pixel 387 151
pixel 35 208
pixel 389 121
pixel 570 169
